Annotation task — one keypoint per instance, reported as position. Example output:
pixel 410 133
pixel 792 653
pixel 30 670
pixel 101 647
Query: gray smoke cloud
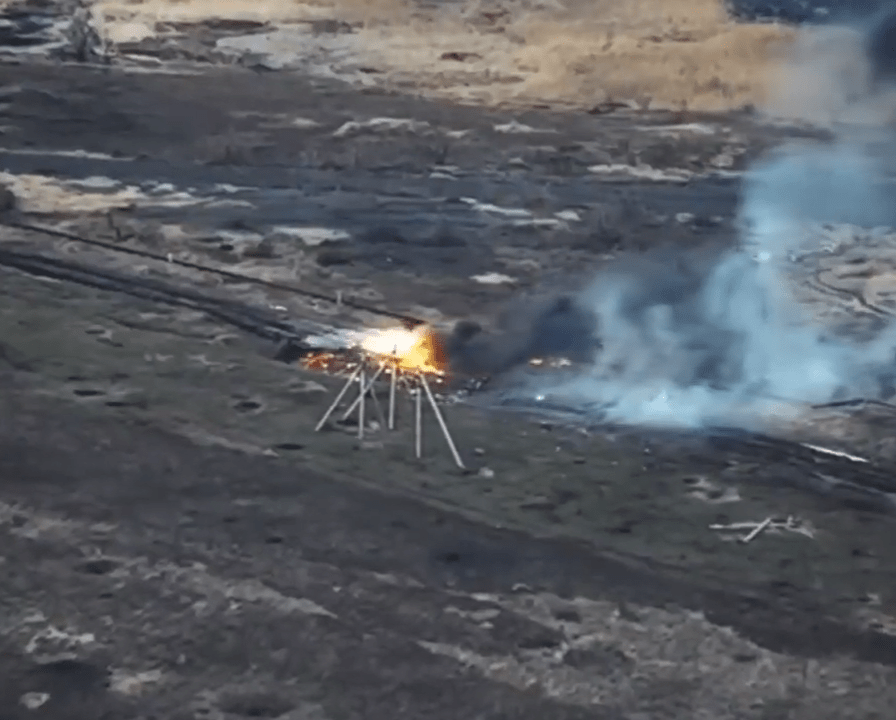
pixel 730 344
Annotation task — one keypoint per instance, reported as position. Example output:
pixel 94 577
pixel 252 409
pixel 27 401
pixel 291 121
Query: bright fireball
pixel 417 350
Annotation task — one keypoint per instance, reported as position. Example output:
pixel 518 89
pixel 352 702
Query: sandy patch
pixel 40 195
pixel 684 54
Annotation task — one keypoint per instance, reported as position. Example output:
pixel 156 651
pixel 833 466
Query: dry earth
pixel 683 54
pixel 179 542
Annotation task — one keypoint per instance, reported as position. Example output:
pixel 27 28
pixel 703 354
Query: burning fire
pixel 417 350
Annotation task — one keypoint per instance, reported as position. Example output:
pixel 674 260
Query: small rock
pixel 684 217
pixel 486 473
pixel 479 452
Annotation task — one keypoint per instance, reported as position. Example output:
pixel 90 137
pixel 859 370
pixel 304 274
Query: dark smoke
pixel 542 327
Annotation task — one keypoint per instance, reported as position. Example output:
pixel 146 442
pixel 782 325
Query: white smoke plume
pixel 732 346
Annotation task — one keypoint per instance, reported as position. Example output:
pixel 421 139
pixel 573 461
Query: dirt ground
pixel 179 542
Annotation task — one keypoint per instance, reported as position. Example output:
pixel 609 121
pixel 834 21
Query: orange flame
pixel 320 361
pixel 417 350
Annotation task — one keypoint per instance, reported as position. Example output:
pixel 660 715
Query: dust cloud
pixel 728 344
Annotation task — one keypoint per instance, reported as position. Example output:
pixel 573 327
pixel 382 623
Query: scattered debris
pixel 791 524
pixel 755 532
pixel 51 643
pixel 836 453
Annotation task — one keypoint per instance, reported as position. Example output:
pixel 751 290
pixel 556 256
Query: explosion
pixel 418 350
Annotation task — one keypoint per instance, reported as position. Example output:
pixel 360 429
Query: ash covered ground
pixel 714 257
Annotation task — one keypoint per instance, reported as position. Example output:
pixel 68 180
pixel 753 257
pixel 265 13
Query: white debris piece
pixel 496 209
pixel 227 188
pixel 95 182
pixel 34 700
pixel 514 127
pixel 677 130
pixel 551 223
pixel 51 640
pixel 303 123
pixel 837 453
pixel 790 524
pixel 380 125
pixel 493 278
pixel 568 216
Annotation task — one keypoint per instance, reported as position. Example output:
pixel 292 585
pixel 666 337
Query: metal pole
pixel 378 408
pixel 339 397
pixel 393 381
pixel 442 424
pixel 361 404
pixel 418 421
pixel 365 388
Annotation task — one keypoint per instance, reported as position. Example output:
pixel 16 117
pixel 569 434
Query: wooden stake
pixel 442 423
pixel 418 421
pixel 339 397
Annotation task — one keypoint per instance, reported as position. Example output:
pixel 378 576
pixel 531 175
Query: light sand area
pixel 681 54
